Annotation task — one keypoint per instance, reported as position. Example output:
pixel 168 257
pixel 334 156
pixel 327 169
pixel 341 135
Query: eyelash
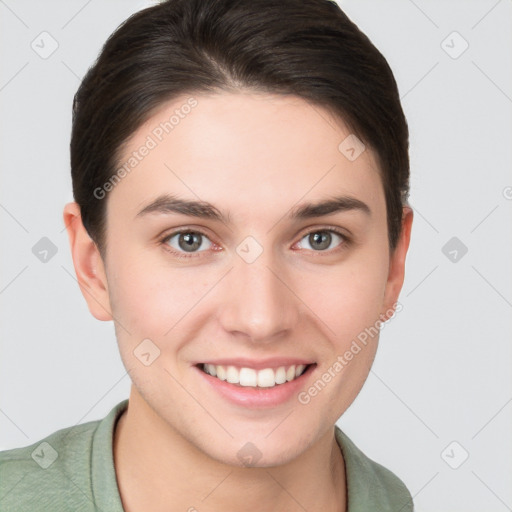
pixel 346 241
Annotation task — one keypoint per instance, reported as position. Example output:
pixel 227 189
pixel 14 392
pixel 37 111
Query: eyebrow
pixel 169 204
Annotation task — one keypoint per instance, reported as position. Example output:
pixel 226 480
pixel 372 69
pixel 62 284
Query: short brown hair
pixel 308 48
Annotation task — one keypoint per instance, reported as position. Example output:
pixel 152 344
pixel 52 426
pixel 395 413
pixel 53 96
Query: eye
pixel 322 239
pixel 187 241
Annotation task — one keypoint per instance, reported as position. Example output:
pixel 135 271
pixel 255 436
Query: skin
pixel 256 156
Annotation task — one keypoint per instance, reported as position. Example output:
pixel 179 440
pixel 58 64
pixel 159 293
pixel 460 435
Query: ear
pixel 397 265
pixel 89 267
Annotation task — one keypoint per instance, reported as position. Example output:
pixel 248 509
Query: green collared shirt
pixel 72 470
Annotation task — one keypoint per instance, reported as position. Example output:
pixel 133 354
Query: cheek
pixel 149 298
pixel 347 298
pixel 149 303
pixel 349 303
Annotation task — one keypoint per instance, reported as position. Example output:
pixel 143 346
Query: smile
pixel 250 377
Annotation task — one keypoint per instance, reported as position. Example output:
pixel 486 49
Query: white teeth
pixel 280 375
pixel 220 370
pixel 266 378
pixel 211 369
pixel 232 375
pixel 248 377
pixel 299 369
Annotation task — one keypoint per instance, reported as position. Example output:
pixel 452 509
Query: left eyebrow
pixel 169 204
pixel 330 206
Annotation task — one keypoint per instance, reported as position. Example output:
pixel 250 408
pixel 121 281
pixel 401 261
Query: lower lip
pixel 254 397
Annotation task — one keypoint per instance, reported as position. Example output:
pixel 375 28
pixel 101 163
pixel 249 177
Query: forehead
pixel 242 151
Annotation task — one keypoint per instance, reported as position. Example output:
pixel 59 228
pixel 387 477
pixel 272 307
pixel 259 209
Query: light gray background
pixel 442 371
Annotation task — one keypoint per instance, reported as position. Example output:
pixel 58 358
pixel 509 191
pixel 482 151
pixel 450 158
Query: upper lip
pixel 242 362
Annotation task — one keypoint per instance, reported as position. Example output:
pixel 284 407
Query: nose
pixel 258 302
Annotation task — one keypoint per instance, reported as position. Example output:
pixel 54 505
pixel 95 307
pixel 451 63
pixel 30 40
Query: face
pixel 258 282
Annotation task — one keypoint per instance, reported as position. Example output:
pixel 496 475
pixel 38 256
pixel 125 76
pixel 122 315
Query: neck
pixel 157 469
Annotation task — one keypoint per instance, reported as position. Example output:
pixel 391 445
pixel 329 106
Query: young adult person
pixel 240 174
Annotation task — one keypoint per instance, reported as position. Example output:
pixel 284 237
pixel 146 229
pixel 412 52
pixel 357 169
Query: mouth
pixel 256 378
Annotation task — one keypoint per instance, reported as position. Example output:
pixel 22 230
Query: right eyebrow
pixel 169 204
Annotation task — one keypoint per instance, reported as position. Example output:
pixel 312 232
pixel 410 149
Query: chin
pixel 257 451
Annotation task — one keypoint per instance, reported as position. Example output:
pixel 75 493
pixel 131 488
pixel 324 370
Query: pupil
pixel 189 241
pixel 321 237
